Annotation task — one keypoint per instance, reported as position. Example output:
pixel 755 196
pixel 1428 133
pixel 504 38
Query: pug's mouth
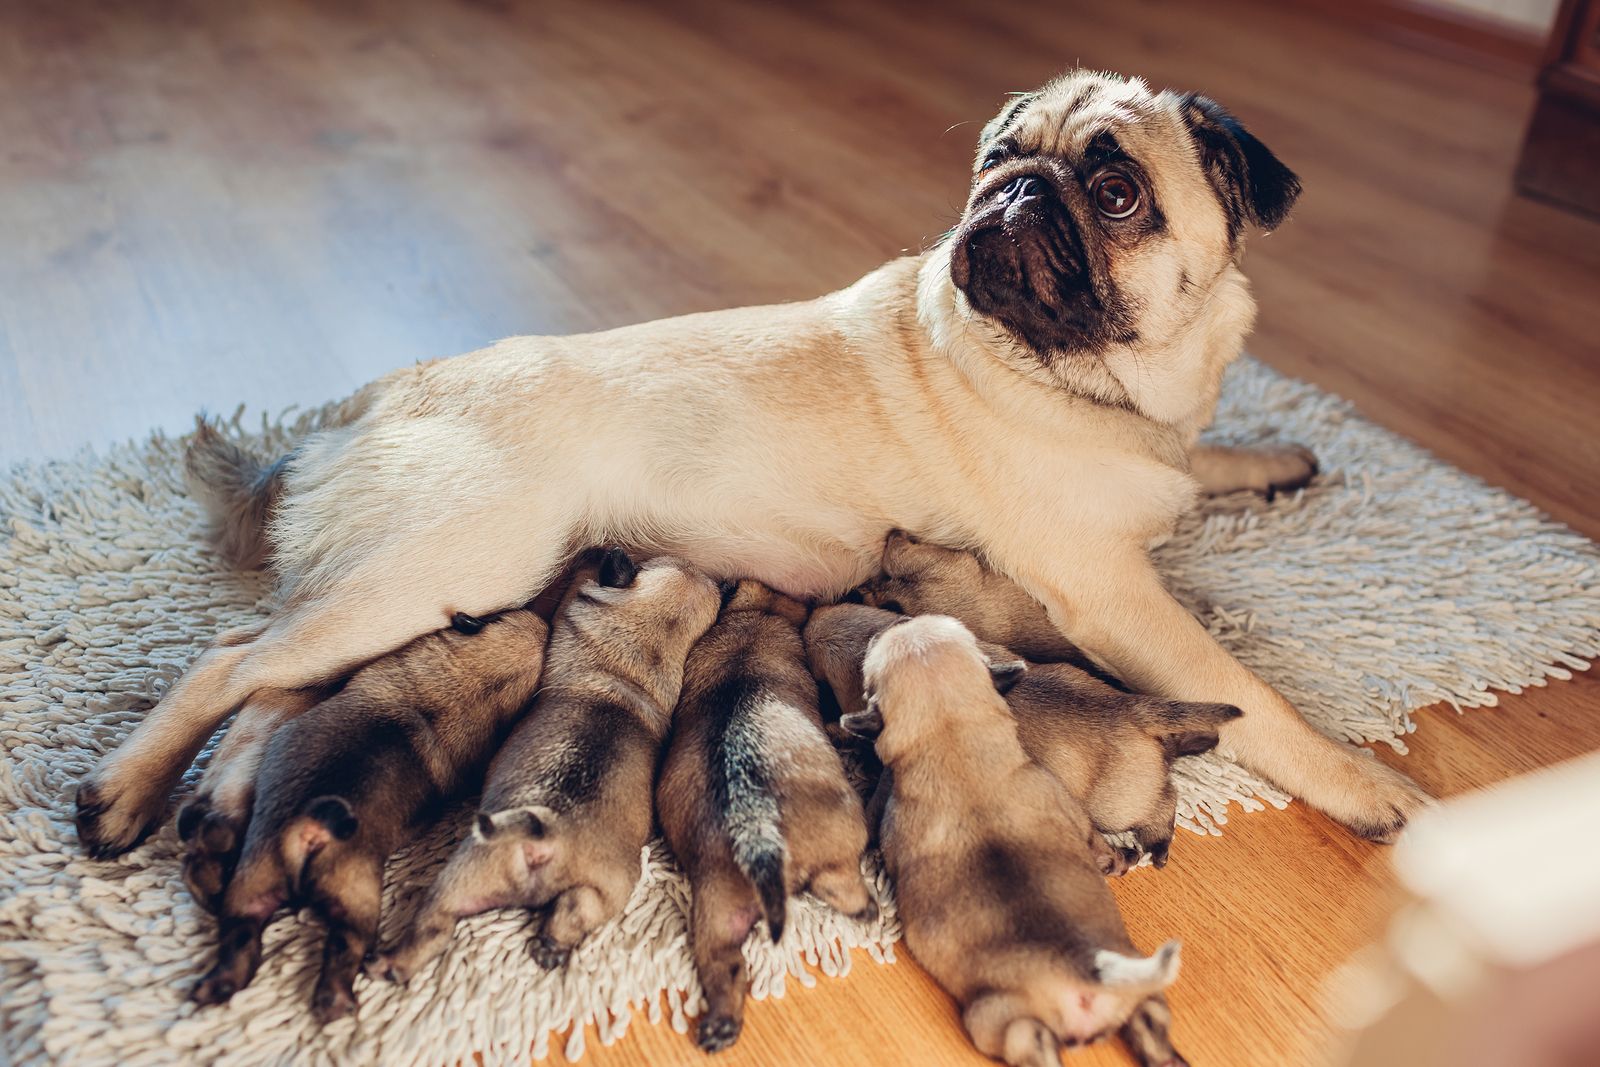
pixel 1020 259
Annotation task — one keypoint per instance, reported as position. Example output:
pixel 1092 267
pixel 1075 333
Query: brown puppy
pixel 567 809
pixel 752 797
pixel 990 855
pixel 341 785
pixel 927 579
pixel 1112 750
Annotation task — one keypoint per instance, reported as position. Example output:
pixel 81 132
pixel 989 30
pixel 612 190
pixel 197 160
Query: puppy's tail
pixel 534 821
pixel 238 491
pixel 324 822
pixel 1183 728
pixel 754 821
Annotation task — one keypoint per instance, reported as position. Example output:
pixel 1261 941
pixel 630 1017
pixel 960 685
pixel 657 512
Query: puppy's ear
pixel 996 127
pixel 1006 673
pixel 854 596
pixel 868 723
pixel 727 588
pixel 1254 186
pixel 896 547
pixel 617 571
pixel 532 822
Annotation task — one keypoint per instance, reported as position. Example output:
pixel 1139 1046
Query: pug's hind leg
pixel 1269 470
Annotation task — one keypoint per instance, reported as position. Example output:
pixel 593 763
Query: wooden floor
pixel 206 204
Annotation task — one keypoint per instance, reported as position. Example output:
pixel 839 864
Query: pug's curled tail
pixel 238 491
pixel 750 811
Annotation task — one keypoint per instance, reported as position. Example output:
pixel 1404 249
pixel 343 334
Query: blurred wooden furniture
pixel 1561 155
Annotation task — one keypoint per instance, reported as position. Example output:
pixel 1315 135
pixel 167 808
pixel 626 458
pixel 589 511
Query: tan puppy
pixel 990 858
pixel 567 810
pixel 925 579
pixel 1031 387
pixel 1113 750
pixel 342 785
pixel 752 797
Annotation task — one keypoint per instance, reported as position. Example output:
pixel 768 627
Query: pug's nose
pixel 1023 189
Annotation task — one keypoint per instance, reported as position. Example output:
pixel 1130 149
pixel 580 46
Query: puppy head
pixel 1103 220
pixel 750 595
pixel 920 675
pixel 920 578
pixel 632 614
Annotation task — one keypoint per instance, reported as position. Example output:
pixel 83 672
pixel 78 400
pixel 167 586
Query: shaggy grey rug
pixel 1393 583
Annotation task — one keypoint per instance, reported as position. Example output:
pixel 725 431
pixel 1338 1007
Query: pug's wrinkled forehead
pixel 1094 118
pixel 1102 235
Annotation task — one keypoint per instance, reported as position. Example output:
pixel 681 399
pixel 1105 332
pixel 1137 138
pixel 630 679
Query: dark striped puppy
pixel 752 797
pixel 566 811
pixel 1113 750
pixel 342 785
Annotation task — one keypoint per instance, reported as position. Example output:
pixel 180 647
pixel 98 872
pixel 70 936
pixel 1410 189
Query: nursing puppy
pixel 926 579
pixel 567 807
pixel 1033 387
pixel 1113 750
pixel 752 797
pixel 990 857
pixel 343 784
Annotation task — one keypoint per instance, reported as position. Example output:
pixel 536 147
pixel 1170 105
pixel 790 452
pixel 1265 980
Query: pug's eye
pixel 993 158
pixel 1115 194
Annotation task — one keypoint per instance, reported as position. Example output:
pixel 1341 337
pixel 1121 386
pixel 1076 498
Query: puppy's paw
pixel 1285 468
pixel 389 967
pixel 547 953
pixel 717 1032
pixel 332 1002
pixel 112 819
pixel 213 839
pixel 215 988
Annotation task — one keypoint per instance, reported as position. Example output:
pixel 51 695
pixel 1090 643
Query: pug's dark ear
pixel 1253 184
pixel 617 571
pixel 1006 673
pixel 726 589
pixel 996 127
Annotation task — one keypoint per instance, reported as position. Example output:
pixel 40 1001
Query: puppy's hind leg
pixel 248 905
pixel 1145 1034
pixel 842 888
pixel 471 883
pixel 1000 1028
pixel 212 823
pixel 349 893
pixel 724 911
pixel 572 917
pixel 1155 833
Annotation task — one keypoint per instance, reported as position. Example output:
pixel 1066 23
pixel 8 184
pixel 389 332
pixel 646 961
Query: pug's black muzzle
pixel 1020 259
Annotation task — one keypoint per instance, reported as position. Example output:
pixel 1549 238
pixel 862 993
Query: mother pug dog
pixel 1030 388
